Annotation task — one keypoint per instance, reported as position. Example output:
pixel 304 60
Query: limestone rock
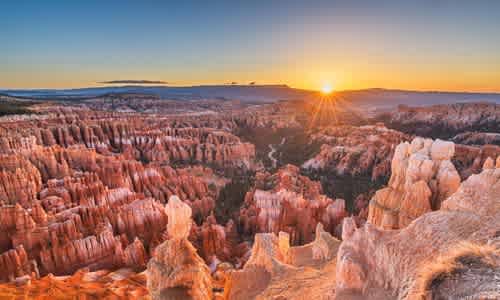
pixel 274 267
pixel 422 177
pixel 488 164
pixel 393 263
pixel 179 218
pixel 176 271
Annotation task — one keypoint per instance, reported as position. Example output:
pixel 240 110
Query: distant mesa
pixel 134 82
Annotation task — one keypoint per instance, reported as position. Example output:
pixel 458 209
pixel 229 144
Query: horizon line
pixel 229 85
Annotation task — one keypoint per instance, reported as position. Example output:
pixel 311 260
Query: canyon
pixel 130 195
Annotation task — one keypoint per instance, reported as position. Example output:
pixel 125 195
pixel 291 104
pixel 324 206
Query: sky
pixel 417 45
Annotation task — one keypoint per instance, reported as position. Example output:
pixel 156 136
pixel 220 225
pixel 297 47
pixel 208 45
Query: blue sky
pixel 447 45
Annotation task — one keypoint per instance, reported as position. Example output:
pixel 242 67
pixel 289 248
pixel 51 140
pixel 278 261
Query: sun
pixel 327 89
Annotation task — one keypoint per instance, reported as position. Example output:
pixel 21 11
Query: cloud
pixel 134 82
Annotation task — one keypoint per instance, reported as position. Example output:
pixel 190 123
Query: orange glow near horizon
pixel 351 73
pixel 351 77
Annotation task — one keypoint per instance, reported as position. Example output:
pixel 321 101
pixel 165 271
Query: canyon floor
pixel 132 196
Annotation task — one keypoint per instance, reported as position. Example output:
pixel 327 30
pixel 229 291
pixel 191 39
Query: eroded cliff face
pixel 95 223
pixel 470 159
pixel 356 151
pixel 287 201
pixel 139 139
pixel 477 138
pixel 445 121
pixel 399 264
pixel 422 177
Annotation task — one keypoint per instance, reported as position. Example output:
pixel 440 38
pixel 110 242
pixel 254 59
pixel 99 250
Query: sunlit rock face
pixel 176 271
pixel 440 252
pixel 287 201
pixel 422 177
pixel 275 266
pixel 123 283
pixel 355 151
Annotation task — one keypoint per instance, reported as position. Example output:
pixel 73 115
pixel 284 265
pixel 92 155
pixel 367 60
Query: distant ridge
pixel 250 93
pixel 129 81
pixel 260 94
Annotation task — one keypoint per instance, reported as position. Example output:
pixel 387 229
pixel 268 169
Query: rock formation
pixel 120 284
pixel 135 137
pixel 445 121
pixel 477 138
pixel 274 267
pixel 83 188
pixel 355 151
pixel 176 271
pixel 218 243
pixel 470 159
pixel 289 202
pixel 15 263
pixel 422 177
pixel 424 259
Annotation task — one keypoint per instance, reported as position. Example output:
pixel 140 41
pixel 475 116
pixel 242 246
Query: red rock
pixel 287 201
pixel 15 263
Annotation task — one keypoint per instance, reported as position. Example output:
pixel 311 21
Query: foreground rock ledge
pixel 452 253
pixel 277 271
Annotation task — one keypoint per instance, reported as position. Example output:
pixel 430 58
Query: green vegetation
pixel 297 148
pixel 11 107
pixel 231 198
pixel 261 138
